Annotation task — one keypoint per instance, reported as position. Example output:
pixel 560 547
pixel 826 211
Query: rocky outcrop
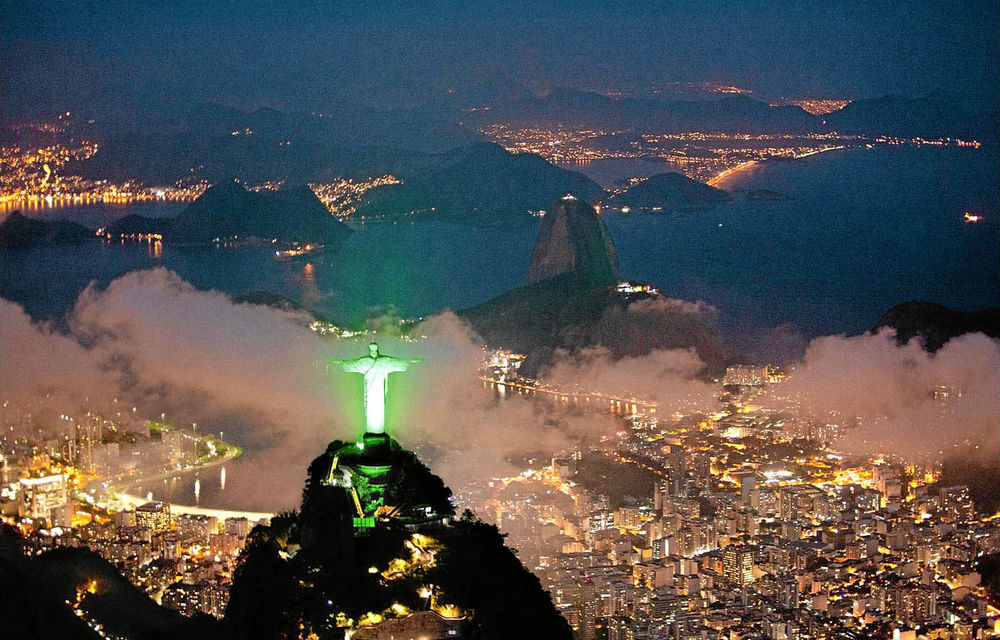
pixel 565 313
pixel 573 239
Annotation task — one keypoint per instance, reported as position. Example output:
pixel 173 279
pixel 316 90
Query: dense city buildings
pixel 71 491
pixel 746 375
pixel 745 520
pixel 755 526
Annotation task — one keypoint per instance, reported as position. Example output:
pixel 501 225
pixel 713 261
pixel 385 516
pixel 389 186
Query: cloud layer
pixel 152 341
pixel 892 388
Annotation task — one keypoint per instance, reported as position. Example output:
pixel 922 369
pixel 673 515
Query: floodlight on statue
pixel 376 369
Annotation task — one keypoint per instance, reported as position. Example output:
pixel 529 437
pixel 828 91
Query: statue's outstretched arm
pixel 415 360
pixel 354 365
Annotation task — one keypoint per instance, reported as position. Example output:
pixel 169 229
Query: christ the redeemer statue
pixel 376 369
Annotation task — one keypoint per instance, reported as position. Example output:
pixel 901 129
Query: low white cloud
pixel 891 388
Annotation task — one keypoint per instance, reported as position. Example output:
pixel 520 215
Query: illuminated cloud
pixel 153 341
pixel 892 388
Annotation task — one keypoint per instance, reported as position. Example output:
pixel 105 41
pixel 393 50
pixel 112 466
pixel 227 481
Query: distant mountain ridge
pixel 165 141
pixel 268 144
pixel 731 114
pixel 936 114
pixel 480 184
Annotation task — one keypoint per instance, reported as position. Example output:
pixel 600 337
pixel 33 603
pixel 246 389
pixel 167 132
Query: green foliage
pixel 988 567
pixel 328 565
pixel 369 495
pixel 618 479
pixel 261 598
pixel 511 603
pixel 982 476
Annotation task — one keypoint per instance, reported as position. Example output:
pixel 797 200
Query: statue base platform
pixel 376 444
pixel 383 479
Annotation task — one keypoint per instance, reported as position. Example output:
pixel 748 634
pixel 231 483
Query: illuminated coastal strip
pixel 183 509
pixel 732 171
pixel 740 168
pixel 616 403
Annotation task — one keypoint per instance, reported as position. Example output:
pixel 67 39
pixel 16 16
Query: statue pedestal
pixel 375 459
pixel 376 444
pixel 383 480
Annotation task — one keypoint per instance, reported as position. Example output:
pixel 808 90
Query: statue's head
pixel 373 349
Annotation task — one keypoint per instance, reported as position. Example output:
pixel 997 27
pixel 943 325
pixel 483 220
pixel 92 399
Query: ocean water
pixel 860 231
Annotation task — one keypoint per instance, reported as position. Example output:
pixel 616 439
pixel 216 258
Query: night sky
pixel 99 55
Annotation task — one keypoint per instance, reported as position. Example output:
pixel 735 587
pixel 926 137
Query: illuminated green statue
pixel 376 369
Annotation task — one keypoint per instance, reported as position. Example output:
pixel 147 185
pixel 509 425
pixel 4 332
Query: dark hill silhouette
pixel 931 115
pixel 226 210
pixel 271 299
pixel 935 324
pixel 572 237
pixel 566 312
pixel 352 142
pixel 119 606
pixel 31 604
pixel 978 471
pixel 135 224
pixel 36 589
pixel 18 231
pixel 669 191
pixel 481 184
pixel 738 114
pixel 512 603
pixel 572 302
pixel 306 566
pixel 298 573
